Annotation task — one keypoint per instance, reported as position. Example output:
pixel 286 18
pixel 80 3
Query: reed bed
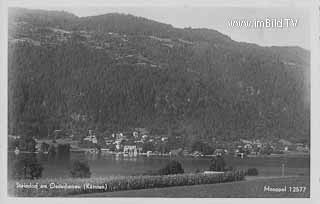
pixel 69 186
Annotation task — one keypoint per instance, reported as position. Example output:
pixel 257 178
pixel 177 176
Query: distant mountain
pixel 116 72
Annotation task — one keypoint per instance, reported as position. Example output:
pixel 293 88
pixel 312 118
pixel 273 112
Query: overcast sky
pixel 199 16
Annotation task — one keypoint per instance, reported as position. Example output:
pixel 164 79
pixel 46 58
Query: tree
pixel 80 169
pixel 26 167
pixel 252 172
pixel 63 152
pixel 35 170
pixel 52 153
pixel 27 144
pixel 202 147
pixel 148 146
pixel 217 164
pixel 44 147
pixel 12 144
pixel 267 150
pixel 173 167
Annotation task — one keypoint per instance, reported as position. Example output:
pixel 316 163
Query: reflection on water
pixel 106 164
pixel 103 156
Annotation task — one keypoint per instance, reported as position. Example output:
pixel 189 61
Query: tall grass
pixel 117 183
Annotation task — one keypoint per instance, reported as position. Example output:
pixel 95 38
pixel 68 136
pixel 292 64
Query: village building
pixel 135 134
pixel 164 139
pixel 132 150
pixel 91 137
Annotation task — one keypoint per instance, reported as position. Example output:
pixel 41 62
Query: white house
pixel 164 139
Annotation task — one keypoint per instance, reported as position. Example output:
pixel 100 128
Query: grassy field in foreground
pixel 253 187
pixel 64 187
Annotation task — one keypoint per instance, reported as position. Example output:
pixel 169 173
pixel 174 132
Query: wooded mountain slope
pixel 115 72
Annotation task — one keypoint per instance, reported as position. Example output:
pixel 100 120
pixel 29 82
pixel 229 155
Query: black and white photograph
pixel 159 101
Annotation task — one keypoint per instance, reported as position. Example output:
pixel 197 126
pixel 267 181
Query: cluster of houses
pixel 129 142
pixel 132 142
pixel 257 147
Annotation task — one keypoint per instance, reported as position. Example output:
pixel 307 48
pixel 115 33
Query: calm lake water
pixel 108 165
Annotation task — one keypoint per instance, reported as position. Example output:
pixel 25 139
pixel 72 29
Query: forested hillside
pixel 116 72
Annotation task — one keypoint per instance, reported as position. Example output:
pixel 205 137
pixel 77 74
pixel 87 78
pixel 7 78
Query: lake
pixel 109 164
